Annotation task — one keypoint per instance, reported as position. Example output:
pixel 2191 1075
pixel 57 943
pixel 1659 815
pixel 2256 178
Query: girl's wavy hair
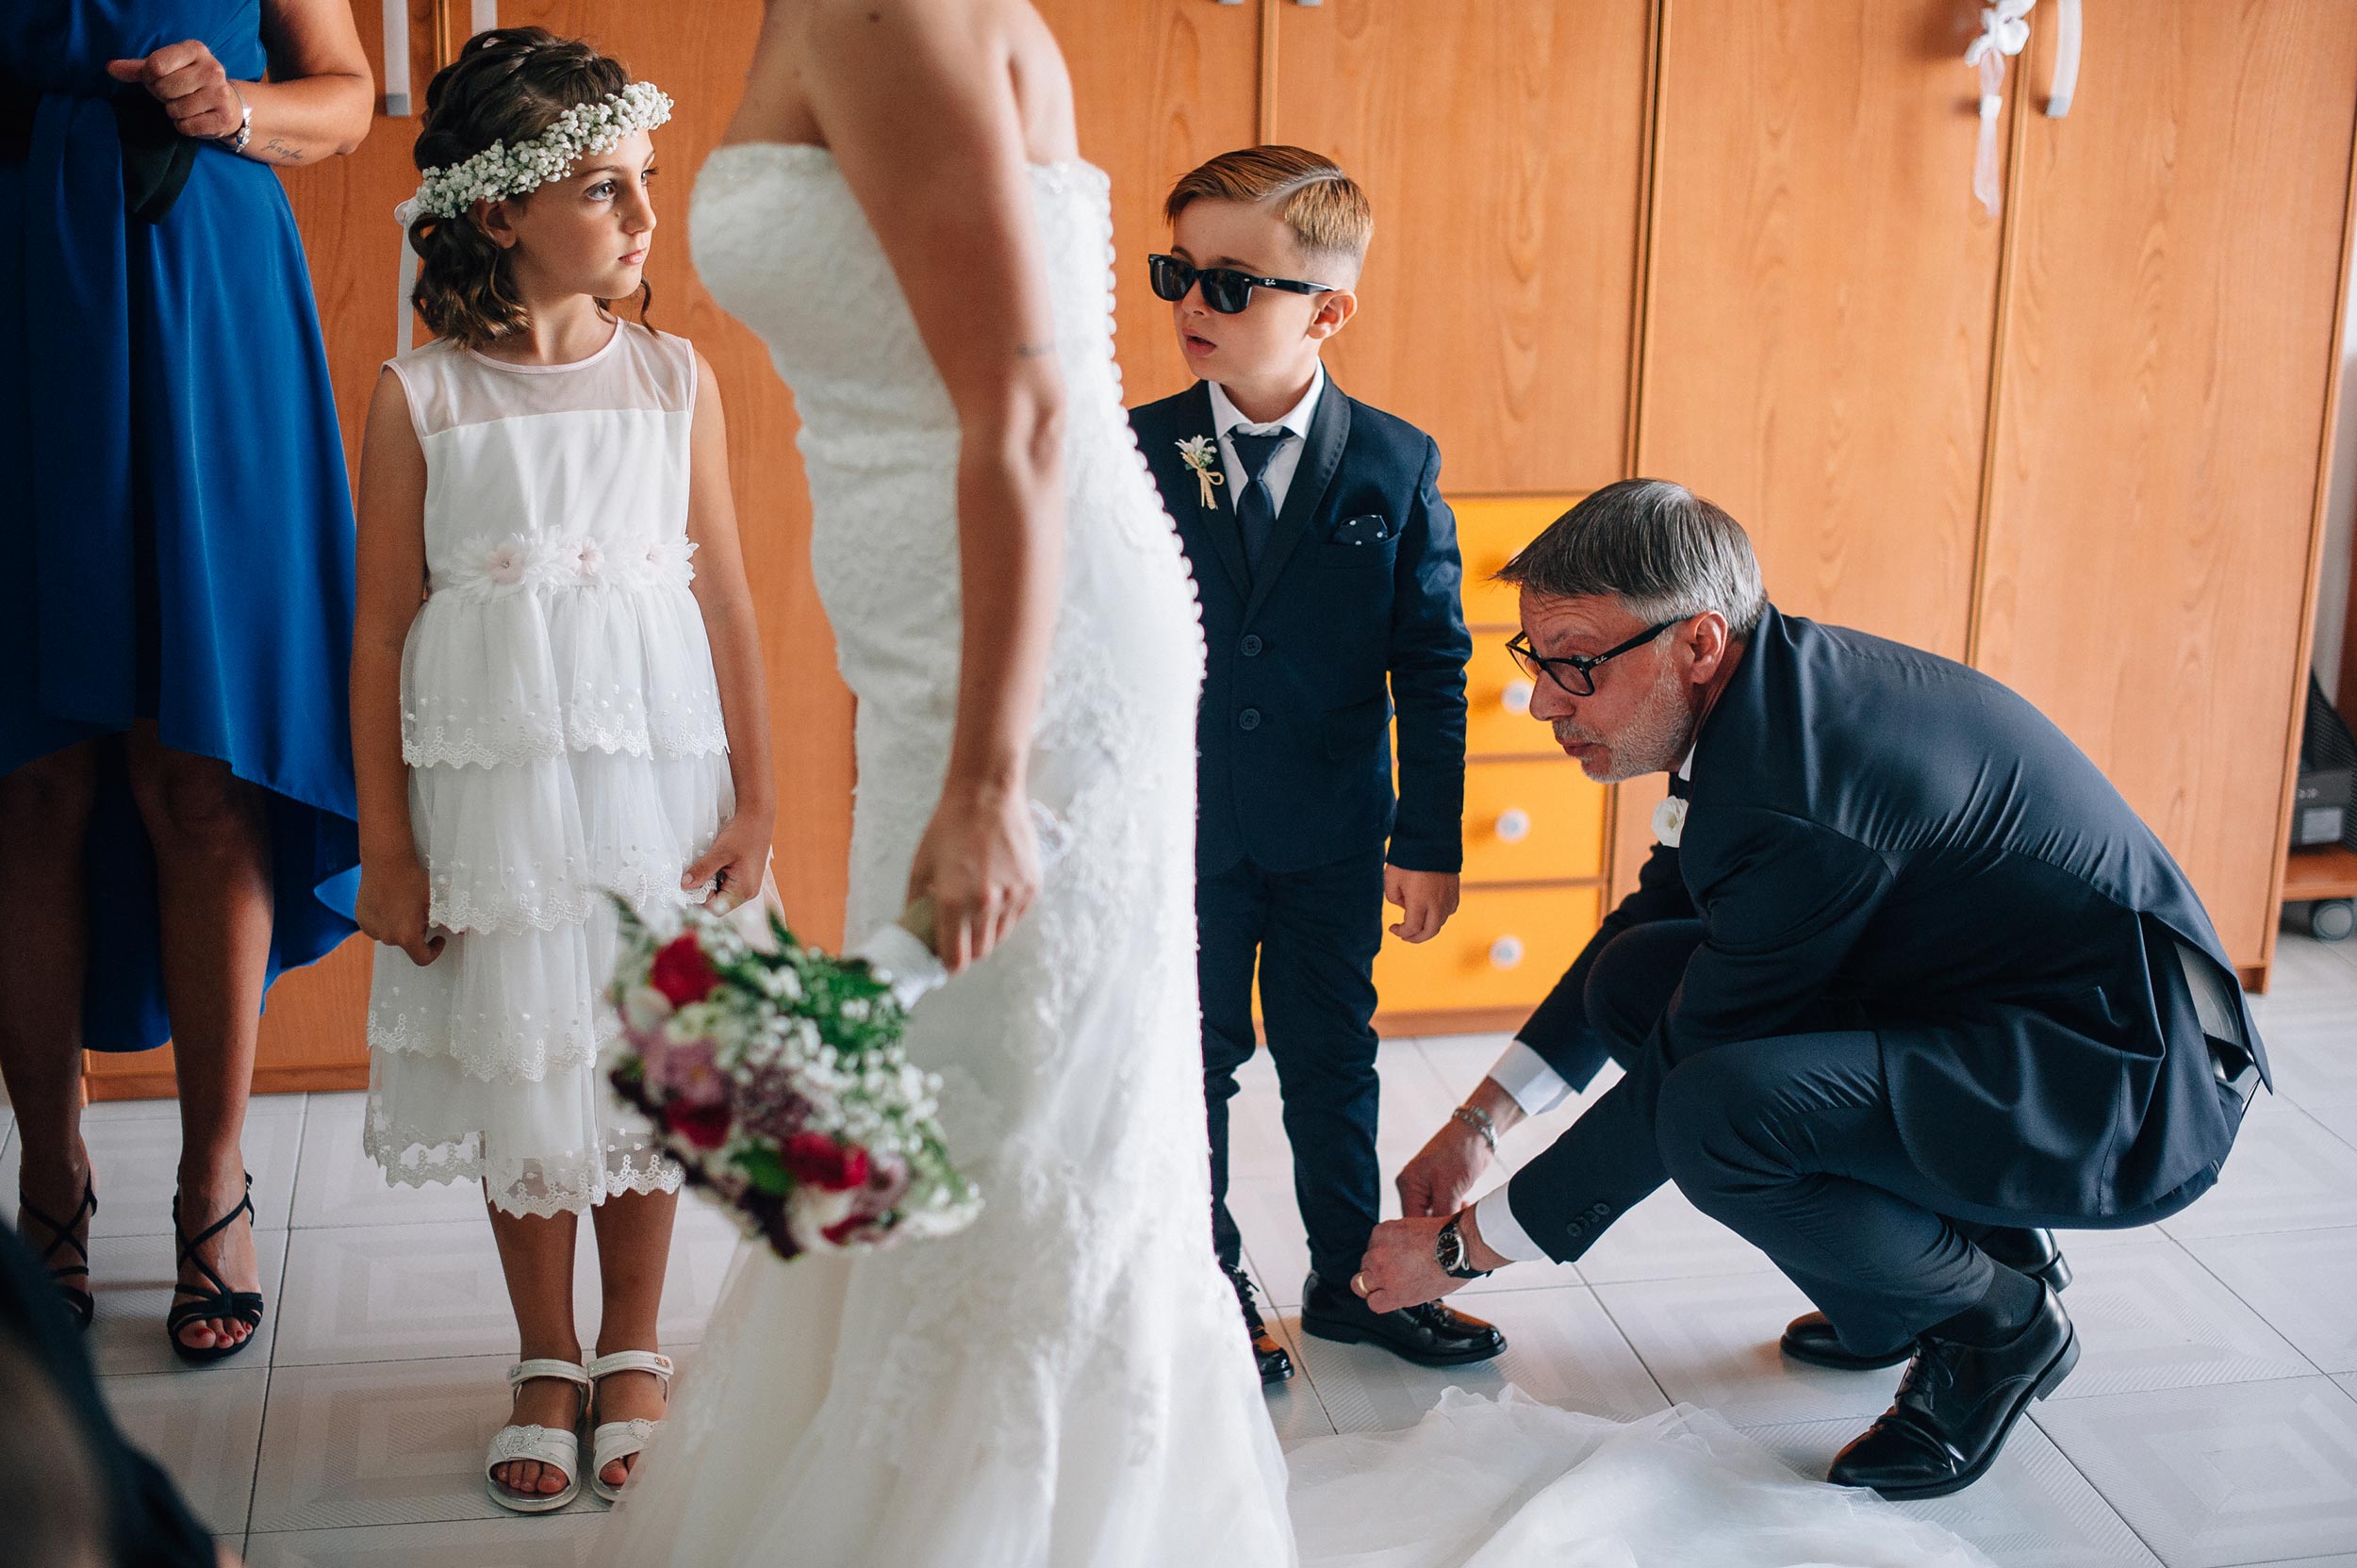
pixel 508 85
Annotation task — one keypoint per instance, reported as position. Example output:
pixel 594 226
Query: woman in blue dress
pixel 176 813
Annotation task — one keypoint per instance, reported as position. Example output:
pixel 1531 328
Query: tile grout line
pixel 2100 1495
pixel 2226 1285
pixel 1614 1318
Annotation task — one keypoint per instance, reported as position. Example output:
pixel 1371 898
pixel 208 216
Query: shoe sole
pixel 2056 1276
pixel 1341 1334
pixel 2049 1380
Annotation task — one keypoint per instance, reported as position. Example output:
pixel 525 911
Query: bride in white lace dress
pixel 1066 1384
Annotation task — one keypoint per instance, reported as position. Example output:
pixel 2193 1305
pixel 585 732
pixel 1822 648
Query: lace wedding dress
pixel 1066 1384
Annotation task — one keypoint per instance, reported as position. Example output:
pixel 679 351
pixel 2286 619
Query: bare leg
pixel 213 897
pixel 538 1258
pixel 634 1247
pixel 45 816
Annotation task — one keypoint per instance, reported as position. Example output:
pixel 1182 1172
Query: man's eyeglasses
pixel 1225 289
pixel 1576 672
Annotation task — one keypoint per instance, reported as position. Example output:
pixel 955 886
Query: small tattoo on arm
pixel 1033 350
pixel 281 152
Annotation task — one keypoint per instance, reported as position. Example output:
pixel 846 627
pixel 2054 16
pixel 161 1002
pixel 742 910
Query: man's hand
pixel 1427 898
pixel 1443 1172
pixel 1400 1269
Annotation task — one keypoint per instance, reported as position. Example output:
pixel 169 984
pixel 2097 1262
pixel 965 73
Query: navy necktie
pixel 1256 508
pixel 1679 788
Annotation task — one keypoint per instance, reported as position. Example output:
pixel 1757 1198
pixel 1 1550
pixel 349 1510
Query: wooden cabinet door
pixel 1502 142
pixel 314 1033
pixel 1822 300
pixel 1159 85
pixel 2160 412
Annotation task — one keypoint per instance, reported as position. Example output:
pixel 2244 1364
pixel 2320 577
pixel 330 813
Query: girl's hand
pixel 392 907
pixel 979 863
pixel 734 866
pixel 190 84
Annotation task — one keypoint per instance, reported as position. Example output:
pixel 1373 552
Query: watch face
pixel 1451 1248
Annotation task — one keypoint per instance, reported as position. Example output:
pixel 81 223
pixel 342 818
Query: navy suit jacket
pixel 1354 610
pixel 1879 838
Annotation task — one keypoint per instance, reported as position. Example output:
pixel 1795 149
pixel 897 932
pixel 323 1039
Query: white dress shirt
pixel 1278 476
pixel 1535 1088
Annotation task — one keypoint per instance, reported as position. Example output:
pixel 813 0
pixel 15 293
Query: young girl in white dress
pixel 550 704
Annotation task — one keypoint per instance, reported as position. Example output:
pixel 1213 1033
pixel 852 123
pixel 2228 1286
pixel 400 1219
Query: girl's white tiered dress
pixel 562 726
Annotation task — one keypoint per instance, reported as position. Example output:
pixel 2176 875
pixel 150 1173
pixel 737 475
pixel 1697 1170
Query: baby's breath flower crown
pixel 500 170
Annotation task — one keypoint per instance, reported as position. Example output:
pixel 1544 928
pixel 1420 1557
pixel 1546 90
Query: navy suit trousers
pixel 1790 1143
pixel 1315 934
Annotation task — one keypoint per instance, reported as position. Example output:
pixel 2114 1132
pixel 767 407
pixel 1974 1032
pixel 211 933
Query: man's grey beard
pixel 1655 741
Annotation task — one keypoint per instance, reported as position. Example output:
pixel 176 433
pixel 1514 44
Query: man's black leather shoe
pixel 1275 1361
pixel 1430 1335
pixel 1810 1338
pixel 1955 1407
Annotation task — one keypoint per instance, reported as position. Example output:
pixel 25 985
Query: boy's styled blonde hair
pixel 1328 214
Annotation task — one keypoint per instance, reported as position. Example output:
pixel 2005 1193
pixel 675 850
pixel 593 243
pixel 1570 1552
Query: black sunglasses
pixel 1576 672
pixel 1225 289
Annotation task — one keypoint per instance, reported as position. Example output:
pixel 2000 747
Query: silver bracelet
pixel 1478 1120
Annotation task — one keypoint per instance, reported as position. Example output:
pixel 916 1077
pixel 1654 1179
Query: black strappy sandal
pixel 237 1306
pixel 78 1299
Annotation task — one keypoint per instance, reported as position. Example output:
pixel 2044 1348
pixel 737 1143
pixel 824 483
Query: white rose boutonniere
pixel 1669 820
pixel 1198 454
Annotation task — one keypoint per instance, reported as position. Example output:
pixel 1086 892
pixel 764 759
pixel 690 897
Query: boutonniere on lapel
pixel 1669 820
pixel 1199 454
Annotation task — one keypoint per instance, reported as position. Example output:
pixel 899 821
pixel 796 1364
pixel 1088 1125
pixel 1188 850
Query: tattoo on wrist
pixel 282 152
pixel 1033 350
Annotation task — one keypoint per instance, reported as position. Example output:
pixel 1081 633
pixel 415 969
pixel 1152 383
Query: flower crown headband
pixel 500 170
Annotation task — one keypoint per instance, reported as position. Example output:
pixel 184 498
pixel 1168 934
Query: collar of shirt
pixel 1225 416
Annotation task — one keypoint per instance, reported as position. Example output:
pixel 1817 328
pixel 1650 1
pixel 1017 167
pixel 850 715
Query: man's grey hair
pixel 1664 551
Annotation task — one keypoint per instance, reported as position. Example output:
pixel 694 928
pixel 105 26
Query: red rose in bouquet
pixel 831 1166
pixel 681 971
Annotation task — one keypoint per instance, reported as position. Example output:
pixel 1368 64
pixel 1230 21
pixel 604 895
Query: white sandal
pixel 617 1440
pixel 559 1449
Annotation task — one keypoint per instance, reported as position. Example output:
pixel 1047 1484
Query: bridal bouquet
pixel 776 1079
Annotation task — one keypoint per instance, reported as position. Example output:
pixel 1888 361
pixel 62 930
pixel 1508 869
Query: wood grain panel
pixel 1502 144
pixel 1158 87
pixel 313 1033
pixel 1822 300
pixel 2160 414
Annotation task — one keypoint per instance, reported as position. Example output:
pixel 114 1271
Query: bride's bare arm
pixel 917 100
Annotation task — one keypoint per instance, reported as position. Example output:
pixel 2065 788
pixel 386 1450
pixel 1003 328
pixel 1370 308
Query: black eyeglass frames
pixel 1225 289
pixel 1576 672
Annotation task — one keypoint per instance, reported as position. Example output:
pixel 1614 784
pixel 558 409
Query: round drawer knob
pixel 1518 695
pixel 1513 825
pixel 1505 952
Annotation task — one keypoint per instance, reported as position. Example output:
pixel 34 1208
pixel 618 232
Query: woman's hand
pixel 394 902
pixel 734 866
pixel 192 85
pixel 979 863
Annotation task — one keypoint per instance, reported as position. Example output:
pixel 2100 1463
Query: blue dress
pixel 172 477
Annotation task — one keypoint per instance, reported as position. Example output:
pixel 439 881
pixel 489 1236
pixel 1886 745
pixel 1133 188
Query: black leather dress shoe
pixel 1430 1335
pixel 1955 1407
pixel 1275 1361
pixel 1810 1338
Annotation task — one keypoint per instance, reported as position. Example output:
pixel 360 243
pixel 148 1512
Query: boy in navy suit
pixel 1328 566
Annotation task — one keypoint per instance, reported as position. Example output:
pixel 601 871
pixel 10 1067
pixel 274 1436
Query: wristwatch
pixel 235 140
pixel 1448 1249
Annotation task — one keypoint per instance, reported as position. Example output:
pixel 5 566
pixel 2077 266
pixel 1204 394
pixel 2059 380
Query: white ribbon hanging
pixel 2004 30
pixel 406 325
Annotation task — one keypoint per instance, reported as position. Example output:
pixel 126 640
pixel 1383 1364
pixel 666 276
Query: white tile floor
pixel 2212 1423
